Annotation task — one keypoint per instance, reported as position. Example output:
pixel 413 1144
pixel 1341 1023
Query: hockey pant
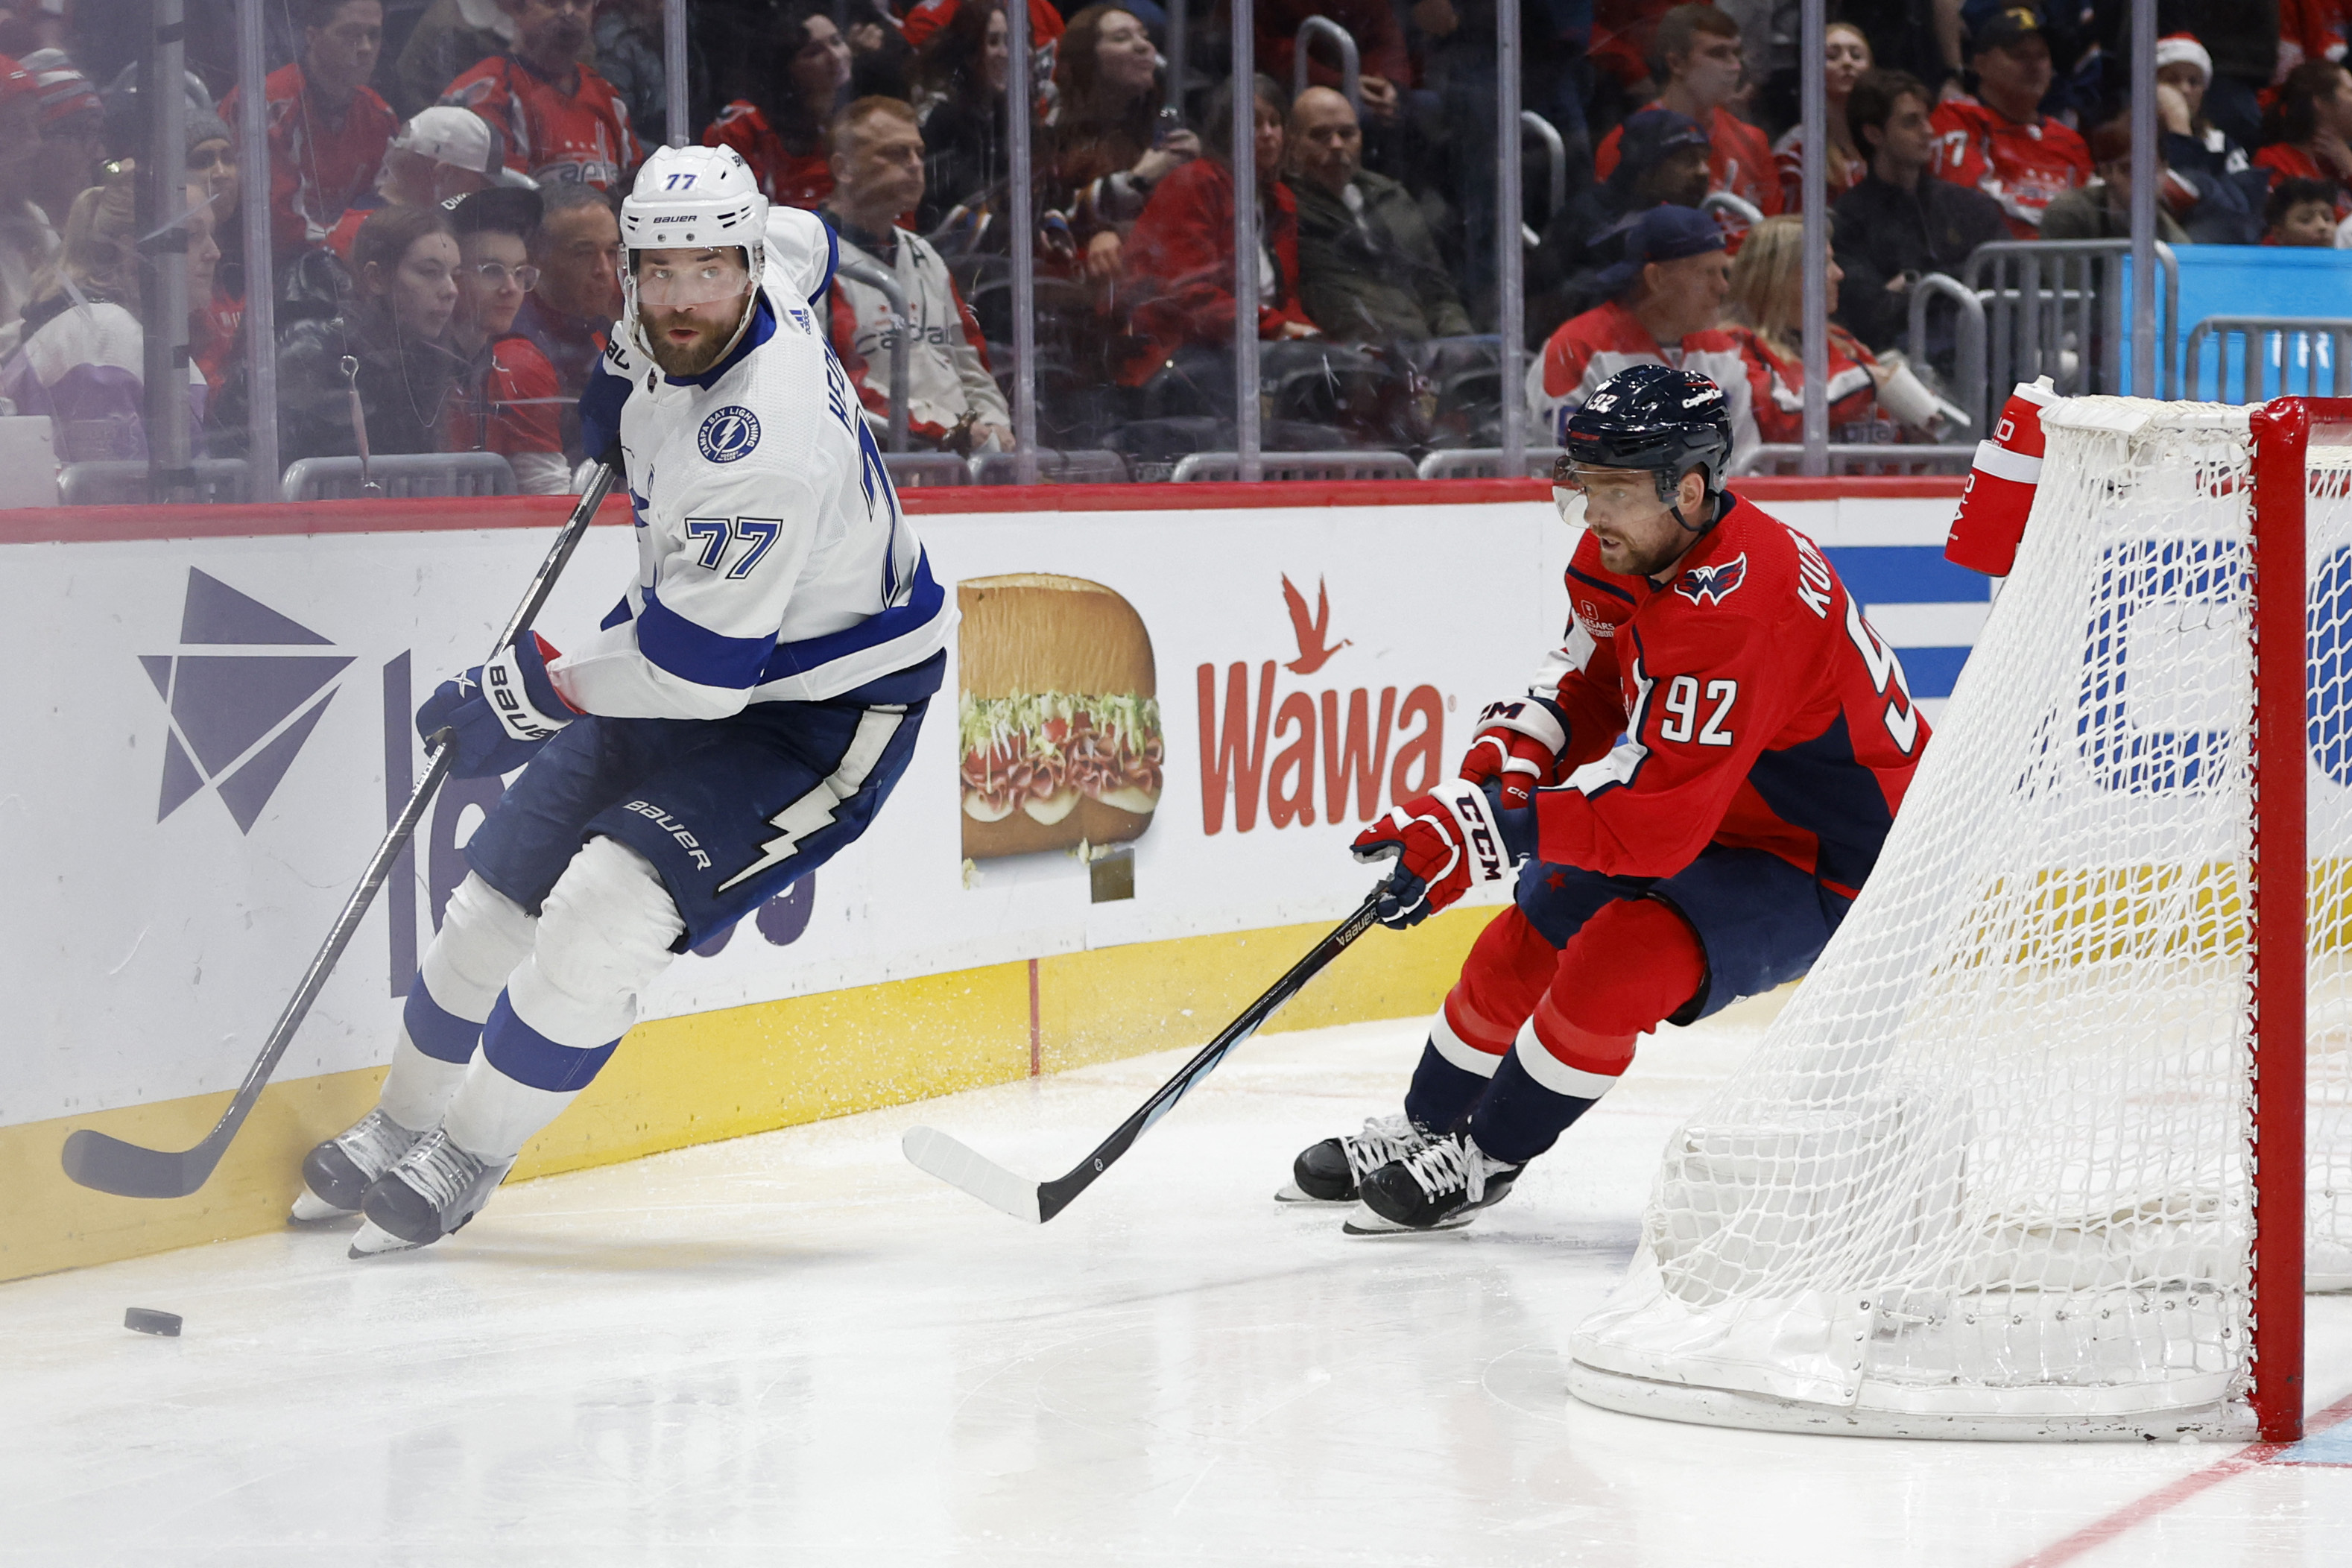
pixel 1557 989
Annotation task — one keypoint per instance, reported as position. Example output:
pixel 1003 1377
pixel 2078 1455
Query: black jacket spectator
pixel 1883 231
pixel 1373 274
pixel 1662 160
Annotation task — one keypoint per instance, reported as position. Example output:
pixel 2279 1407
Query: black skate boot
pixel 336 1174
pixel 431 1192
pixel 1329 1170
pixel 1440 1185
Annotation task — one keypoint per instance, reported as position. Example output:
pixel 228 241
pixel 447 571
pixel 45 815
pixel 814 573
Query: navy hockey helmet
pixel 1656 417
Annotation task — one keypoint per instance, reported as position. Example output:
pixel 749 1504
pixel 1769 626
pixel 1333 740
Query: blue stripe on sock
pixel 525 1054
pixel 436 1031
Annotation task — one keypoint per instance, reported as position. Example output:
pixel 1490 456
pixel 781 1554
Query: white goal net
pixel 1988 1172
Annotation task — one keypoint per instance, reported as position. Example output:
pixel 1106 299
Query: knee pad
pixel 1629 967
pixel 605 932
pixel 483 935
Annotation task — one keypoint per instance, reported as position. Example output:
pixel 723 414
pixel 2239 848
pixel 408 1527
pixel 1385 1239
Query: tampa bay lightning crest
pixel 1713 585
pixel 730 433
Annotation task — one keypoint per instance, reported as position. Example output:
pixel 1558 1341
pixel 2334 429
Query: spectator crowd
pixel 444 179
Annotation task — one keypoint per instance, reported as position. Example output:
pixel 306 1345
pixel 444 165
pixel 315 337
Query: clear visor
pixel 679 285
pixel 1572 486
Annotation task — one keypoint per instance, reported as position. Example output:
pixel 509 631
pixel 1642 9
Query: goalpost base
pixel 1874 1413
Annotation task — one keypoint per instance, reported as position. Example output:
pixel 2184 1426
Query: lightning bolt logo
pixel 815 812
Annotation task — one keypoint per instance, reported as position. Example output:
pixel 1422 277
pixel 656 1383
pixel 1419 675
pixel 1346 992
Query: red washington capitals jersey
pixel 1757 708
pixel 552 135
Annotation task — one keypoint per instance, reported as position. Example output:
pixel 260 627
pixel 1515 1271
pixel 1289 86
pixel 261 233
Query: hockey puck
pixel 150 1323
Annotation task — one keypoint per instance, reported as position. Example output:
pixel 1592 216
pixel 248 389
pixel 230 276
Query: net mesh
pixel 1990 1164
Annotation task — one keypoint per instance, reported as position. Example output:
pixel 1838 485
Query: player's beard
pixel 686 359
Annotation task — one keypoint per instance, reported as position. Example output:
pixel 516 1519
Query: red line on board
pixel 1032 1018
pixel 2172 1494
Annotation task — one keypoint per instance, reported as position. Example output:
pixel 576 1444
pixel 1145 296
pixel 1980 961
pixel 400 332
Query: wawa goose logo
pixel 1261 749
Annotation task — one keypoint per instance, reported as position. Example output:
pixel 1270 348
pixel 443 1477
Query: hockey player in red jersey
pixel 560 121
pixel 1699 781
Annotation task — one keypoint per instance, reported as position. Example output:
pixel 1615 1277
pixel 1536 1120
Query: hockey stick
pixel 111 1166
pixel 959 1165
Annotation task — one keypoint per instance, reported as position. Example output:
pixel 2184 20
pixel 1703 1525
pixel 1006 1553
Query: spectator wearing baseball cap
pixel 1999 140
pixel 1667 290
pixel 440 154
pixel 1662 158
pixel 27 239
pixel 328 129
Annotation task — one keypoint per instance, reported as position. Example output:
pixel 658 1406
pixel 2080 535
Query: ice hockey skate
pixel 1440 1187
pixel 433 1190
pixel 335 1174
pixel 1330 1172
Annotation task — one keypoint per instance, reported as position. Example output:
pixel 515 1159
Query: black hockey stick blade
pixel 107 1164
pixel 958 1164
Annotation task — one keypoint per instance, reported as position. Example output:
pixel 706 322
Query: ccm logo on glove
pixel 1445 843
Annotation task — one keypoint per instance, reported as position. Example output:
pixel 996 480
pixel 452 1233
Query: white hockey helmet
pixel 689 198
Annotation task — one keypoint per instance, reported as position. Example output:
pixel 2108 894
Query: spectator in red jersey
pixel 28 241
pixel 1848 56
pixel 2309 130
pixel 1696 52
pixel 952 401
pixel 2312 30
pixel 328 129
pixel 1109 140
pixel 569 314
pixel 1767 289
pixel 779 129
pixel 506 399
pixel 931 18
pixel 1999 140
pixel 216 299
pixel 2301 213
pixel 1380 52
pixel 562 122
pixel 1183 244
pixel 1664 307
pixel 73 132
pixel 405 270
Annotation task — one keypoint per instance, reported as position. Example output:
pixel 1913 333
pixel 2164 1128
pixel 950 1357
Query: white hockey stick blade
pixel 932 1151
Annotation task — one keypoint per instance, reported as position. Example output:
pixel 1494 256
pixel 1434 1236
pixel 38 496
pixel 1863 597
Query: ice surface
pixel 799 1350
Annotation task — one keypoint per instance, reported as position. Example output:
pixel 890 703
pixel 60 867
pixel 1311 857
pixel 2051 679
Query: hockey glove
pixel 498 714
pixel 1445 843
pixel 1517 749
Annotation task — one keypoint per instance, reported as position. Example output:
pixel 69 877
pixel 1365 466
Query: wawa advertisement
pixel 1155 724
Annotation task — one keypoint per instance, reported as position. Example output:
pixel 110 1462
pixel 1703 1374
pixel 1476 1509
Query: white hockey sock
pixel 418 1089
pixel 493 1116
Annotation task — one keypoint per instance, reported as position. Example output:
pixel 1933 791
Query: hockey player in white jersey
pixel 737 720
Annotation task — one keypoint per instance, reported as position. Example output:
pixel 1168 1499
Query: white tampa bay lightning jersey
pixel 773 563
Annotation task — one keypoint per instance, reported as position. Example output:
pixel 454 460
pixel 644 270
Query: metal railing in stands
pixel 2286 344
pixel 1053 468
pixel 1966 385
pixel 112 482
pixel 1222 467
pixel 1556 176
pixel 1745 211
pixel 1487 463
pixel 2055 308
pixel 398 475
pixel 902 330
pixel 1351 73
pixel 926 468
pixel 1853 458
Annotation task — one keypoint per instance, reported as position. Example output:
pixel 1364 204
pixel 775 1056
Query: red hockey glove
pixel 1445 843
pixel 1517 749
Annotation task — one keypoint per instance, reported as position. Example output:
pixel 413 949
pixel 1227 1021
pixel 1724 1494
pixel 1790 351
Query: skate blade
pixel 312 1210
pixel 1290 1193
pixel 374 1241
pixel 1364 1222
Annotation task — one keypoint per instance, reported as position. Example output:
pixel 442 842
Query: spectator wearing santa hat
pixel 2193 145
pixel 27 239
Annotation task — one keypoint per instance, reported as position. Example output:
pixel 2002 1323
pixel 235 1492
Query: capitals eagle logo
pixel 1714 584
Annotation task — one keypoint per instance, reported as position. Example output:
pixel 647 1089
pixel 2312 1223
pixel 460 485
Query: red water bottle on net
pixel 1999 496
